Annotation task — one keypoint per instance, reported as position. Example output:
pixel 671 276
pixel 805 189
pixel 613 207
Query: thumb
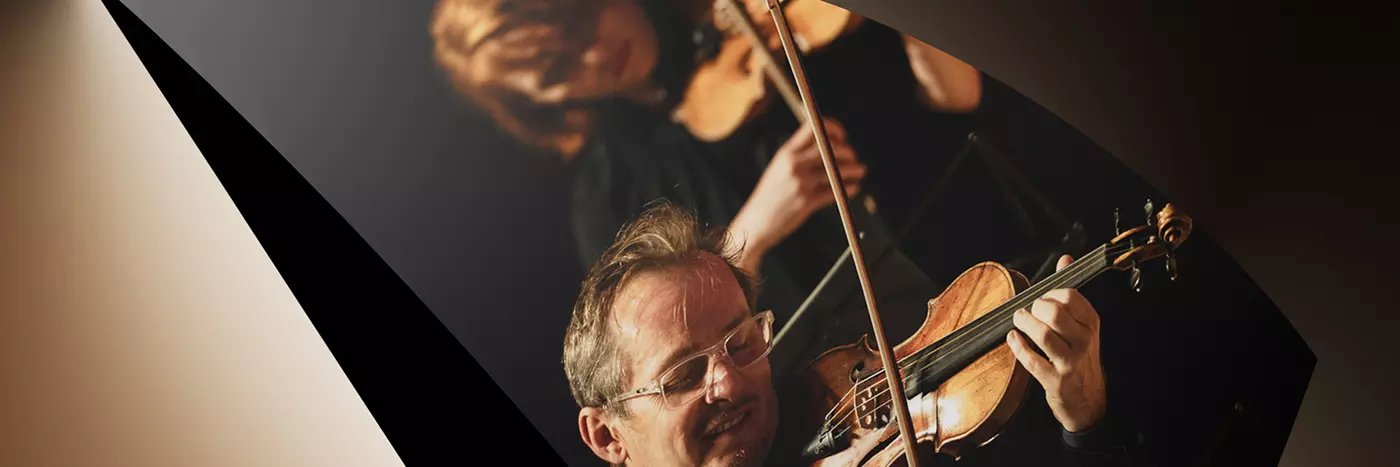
pixel 1065 260
pixel 800 139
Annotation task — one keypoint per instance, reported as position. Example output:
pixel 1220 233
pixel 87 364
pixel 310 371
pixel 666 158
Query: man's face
pixel 665 316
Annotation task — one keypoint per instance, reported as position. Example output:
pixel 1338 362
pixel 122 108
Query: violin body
pixel 724 93
pixel 966 411
pixel 729 89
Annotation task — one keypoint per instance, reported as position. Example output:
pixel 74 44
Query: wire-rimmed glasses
pixel 690 378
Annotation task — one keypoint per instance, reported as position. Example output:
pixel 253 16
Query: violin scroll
pixel 1173 226
pixel 1163 233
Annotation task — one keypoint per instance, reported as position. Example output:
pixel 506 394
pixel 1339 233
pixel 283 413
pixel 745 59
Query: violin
pixel 729 89
pixel 960 378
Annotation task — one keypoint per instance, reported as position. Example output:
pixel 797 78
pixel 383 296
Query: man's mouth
pixel 725 422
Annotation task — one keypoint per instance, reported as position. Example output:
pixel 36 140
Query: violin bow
pixel 814 120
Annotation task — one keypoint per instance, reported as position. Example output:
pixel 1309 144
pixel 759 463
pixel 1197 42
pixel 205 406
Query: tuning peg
pixel 1075 238
pixel 1171 265
pixel 1137 279
pixel 1147 211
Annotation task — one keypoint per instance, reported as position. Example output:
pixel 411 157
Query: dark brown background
pixel 1267 125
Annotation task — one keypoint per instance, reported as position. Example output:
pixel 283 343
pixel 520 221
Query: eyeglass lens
pixel 686 381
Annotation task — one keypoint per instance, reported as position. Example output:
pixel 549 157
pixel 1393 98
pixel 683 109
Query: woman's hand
pixel 793 187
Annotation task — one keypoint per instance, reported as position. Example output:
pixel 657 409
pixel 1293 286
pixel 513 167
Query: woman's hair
pixel 477 41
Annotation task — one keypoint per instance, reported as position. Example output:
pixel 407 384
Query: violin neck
pixel 930 367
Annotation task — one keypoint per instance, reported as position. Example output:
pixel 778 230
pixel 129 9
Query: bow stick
pixel 814 120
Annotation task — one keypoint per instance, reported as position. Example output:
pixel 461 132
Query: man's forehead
pixel 666 295
pixel 672 306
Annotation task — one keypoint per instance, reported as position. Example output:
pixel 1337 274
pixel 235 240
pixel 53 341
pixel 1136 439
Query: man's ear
pixel 595 426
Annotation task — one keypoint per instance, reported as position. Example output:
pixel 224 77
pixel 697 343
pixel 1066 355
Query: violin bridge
pixel 867 406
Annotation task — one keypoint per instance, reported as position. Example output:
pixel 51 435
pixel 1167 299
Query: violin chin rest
pixel 822 446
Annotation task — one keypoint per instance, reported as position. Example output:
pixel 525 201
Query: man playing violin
pixel 667 358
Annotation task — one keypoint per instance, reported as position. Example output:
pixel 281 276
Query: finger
pixel 1077 306
pixel 825 197
pixel 1065 261
pixel 835 131
pixel 822 193
pixel 853 172
pixel 806 138
pixel 843 152
pixel 802 139
pixel 1038 366
pixel 812 156
pixel 809 150
pixel 850 171
pixel 1055 347
pixel 1056 315
pixel 820 200
pixel 817 187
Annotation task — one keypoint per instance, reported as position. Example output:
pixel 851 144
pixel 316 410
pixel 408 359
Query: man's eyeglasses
pixel 690 379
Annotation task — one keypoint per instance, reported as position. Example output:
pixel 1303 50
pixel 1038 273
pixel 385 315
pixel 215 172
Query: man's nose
pixel 726 381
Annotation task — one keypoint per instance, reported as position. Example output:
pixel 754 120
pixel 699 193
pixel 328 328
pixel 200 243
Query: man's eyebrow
pixel 736 322
pixel 675 356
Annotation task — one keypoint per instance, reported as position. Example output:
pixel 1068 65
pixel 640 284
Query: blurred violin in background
pixel 730 86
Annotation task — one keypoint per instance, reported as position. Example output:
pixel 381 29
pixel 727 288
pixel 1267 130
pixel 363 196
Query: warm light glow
pixel 948 414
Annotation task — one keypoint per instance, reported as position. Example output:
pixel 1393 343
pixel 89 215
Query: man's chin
pixel 746 457
pixel 744 445
pixel 735 453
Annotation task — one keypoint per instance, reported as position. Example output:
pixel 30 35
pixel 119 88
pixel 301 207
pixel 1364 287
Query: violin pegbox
pixel 1159 237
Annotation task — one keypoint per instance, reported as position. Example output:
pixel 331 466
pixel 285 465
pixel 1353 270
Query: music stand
pixel 1009 179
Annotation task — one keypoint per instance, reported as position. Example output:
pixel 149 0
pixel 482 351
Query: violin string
pixel 978 329
pixel 835 408
pixel 1073 272
pixel 1077 270
pixel 1006 313
pixel 998 316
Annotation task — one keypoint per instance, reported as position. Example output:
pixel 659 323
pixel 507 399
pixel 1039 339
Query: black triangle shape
pixel 426 392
